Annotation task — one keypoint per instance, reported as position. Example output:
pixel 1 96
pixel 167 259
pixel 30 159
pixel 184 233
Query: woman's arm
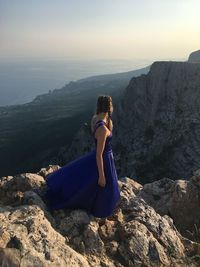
pixel 101 133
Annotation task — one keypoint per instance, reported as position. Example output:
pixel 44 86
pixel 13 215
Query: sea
pixel 21 80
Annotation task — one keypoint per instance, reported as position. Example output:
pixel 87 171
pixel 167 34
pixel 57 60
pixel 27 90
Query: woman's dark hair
pixel 104 104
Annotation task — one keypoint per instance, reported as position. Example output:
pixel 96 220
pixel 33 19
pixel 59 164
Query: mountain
pixel 32 134
pixel 156 124
pixel 194 57
pixel 156 135
pixel 135 234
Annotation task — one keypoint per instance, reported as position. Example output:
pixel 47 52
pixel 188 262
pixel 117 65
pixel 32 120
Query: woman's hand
pixel 102 181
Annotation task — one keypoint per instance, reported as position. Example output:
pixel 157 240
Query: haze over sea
pixel 21 80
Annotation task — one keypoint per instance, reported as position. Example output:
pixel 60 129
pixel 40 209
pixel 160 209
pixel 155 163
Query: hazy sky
pixel 99 29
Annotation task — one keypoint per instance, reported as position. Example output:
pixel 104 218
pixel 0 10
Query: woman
pixel 89 182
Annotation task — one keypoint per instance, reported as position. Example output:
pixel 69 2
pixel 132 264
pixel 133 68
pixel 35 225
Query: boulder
pixel 28 237
pixel 180 199
pixel 134 235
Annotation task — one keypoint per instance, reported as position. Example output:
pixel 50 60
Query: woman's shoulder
pixel 95 119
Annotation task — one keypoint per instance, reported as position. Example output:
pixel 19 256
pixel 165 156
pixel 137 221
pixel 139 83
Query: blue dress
pixel 75 185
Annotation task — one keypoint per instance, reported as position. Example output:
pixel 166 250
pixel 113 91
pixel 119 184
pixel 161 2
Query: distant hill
pixel 194 57
pixel 32 134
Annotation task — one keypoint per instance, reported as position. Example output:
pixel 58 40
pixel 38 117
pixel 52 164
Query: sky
pixel 99 29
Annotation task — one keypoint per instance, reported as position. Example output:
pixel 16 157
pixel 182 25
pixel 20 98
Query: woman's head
pixel 104 104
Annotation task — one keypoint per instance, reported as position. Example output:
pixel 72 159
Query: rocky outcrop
pixel 134 235
pixel 26 233
pixel 180 199
pixel 158 125
pixel 194 57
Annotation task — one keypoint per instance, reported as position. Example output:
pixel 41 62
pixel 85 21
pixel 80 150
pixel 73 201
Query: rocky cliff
pixel 156 124
pixel 194 57
pixel 135 234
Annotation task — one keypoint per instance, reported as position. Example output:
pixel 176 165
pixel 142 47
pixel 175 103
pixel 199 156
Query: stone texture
pixel 12 188
pixel 157 123
pixel 180 199
pixel 33 240
pixel 134 235
pixel 45 171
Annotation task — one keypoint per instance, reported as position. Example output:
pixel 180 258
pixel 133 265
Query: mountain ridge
pixel 194 57
pixel 32 134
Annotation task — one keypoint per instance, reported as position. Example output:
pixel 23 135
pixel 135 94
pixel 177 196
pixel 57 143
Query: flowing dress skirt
pixel 75 185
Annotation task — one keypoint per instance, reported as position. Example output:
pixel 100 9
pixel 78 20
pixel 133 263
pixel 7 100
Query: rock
pixel 82 143
pixel 12 188
pixel 134 235
pixel 133 185
pixel 10 257
pixel 126 193
pixel 26 181
pixel 34 239
pixel 180 199
pixel 45 171
pixel 31 198
pixel 194 57
pixel 148 231
pixel 157 194
pixel 195 179
pixel 140 236
pixel 157 123
pixel 149 239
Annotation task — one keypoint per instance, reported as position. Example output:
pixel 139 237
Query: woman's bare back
pixel 93 122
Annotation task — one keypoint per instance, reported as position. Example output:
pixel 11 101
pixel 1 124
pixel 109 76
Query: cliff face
pixel 157 123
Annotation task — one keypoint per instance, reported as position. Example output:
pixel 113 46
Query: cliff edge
pixel 134 235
